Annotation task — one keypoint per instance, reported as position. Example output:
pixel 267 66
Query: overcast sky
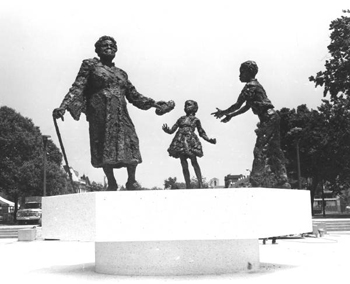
pixel 171 50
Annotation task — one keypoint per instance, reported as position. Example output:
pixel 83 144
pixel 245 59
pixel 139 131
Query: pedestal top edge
pixel 240 190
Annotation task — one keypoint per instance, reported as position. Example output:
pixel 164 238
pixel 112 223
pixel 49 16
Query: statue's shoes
pixel 132 186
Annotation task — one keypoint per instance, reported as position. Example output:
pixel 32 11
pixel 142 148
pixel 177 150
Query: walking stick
pixel 66 167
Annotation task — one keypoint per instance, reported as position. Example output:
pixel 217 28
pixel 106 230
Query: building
pixel 214 183
pixel 230 180
pixel 6 210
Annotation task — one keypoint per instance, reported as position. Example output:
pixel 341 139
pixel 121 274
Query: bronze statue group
pixel 101 90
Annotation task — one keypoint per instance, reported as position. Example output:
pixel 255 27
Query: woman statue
pixel 268 166
pixel 100 91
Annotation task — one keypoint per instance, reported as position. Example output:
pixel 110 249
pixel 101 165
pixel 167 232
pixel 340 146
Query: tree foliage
pixel 329 154
pixel 94 186
pixel 336 117
pixel 336 77
pixel 302 128
pixel 171 183
pixel 323 139
pixel 21 159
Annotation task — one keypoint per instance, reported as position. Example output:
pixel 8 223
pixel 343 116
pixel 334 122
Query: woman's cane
pixel 66 167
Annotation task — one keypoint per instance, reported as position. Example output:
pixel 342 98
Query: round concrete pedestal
pixel 192 257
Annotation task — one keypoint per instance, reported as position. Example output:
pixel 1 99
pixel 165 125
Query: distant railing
pixel 332 206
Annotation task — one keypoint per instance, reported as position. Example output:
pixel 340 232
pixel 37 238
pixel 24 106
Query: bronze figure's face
pixel 191 107
pixel 107 49
pixel 248 70
pixel 245 75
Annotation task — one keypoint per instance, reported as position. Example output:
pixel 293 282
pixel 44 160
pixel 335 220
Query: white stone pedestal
pixel 192 257
pixel 177 232
pixel 28 234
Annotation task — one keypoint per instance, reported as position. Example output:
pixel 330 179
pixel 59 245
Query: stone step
pixel 12 231
pixel 8 235
pixel 334 224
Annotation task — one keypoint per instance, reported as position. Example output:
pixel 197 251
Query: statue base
pixel 177 232
pixel 162 258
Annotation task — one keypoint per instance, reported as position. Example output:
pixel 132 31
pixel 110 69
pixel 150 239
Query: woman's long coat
pixel 101 92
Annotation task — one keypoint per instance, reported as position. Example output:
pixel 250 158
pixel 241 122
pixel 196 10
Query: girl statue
pixel 186 144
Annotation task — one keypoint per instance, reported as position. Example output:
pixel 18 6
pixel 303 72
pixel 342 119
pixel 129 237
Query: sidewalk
pixel 314 260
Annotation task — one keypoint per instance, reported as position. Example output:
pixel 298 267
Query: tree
pixel 336 116
pixel 336 77
pixel 96 187
pixel 301 130
pixel 21 159
pixel 171 183
pixel 194 182
pixel 335 113
pixel 156 188
pixel 322 138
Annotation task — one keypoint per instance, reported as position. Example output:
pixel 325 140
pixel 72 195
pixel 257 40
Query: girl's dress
pixel 186 143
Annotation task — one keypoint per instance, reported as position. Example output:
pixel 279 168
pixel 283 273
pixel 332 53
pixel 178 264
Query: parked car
pixel 30 212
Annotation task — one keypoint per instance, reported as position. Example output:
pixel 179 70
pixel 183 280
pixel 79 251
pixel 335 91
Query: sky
pixel 171 50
